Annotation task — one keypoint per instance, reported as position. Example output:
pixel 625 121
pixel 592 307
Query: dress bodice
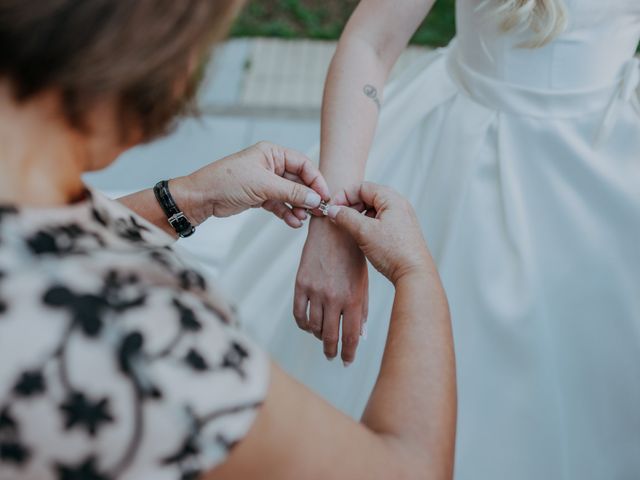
pixel 593 51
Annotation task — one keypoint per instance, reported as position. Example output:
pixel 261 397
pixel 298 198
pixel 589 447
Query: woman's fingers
pixel 330 331
pixel 315 317
pixel 373 195
pixel 365 311
pixel 300 307
pixel 351 325
pixel 280 210
pixel 300 165
pixel 293 193
pixel 292 177
pixel 353 222
pixel 300 213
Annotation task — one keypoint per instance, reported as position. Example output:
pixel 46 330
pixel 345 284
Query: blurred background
pixel 325 19
pixel 264 83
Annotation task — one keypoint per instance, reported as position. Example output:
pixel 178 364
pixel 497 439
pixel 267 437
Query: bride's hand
pixel 278 179
pixel 332 283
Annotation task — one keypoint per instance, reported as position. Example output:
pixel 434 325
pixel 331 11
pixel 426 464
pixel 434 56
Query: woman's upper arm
pixel 387 25
pixel 296 435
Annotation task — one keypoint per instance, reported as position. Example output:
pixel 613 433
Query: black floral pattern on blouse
pixel 88 310
pixel 235 358
pixel 130 229
pixel 79 411
pixel 86 470
pixel 11 450
pixel 187 316
pixel 88 314
pixel 29 384
pixel 185 456
pixel 94 314
pixel 190 280
pixel 61 240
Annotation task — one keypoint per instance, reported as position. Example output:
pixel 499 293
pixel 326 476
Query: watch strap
pixel 177 219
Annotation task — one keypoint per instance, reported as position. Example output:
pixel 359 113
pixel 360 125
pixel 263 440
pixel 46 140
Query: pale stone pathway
pixel 278 77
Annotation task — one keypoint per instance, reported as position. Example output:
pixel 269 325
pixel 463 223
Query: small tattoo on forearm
pixel 372 92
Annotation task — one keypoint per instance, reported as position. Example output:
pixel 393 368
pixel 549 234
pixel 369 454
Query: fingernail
pixel 331 359
pixel 313 200
pixel 333 211
pixel 364 331
pixel 346 364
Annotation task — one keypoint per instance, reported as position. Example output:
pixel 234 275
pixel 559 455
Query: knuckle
pixel 314 287
pixel 311 289
pixel 303 284
pixel 331 296
pixel 350 340
pixel 351 300
pixel 362 231
pixel 298 192
pixel 330 339
pixel 315 326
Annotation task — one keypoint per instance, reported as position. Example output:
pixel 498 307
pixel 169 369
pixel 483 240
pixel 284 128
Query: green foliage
pixel 439 27
pixel 325 19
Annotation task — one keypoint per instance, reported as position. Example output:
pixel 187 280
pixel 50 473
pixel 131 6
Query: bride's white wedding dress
pixel 524 168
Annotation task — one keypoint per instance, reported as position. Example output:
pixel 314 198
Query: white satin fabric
pixel 524 168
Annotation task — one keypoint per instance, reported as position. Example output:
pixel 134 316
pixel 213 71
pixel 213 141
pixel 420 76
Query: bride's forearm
pixel 374 38
pixel 352 99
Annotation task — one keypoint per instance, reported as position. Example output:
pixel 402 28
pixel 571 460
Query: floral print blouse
pixel 117 358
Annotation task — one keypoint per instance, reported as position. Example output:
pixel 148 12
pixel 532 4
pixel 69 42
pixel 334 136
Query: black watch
pixel 177 219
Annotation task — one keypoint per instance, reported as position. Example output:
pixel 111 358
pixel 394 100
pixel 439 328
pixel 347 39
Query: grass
pixel 325 19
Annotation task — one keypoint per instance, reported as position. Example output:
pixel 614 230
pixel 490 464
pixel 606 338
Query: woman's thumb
pixel 350 220
pixel 294 193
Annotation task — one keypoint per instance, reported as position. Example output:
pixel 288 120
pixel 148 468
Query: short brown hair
pixel 138 50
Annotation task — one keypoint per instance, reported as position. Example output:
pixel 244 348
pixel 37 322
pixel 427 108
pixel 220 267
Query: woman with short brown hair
pixel 118 359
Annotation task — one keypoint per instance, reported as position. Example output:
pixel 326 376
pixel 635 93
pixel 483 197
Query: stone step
pixel 269 77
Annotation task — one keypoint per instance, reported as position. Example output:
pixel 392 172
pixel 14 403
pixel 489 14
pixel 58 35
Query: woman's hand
pixel 388 233
pixel 332 282
pixel 280 180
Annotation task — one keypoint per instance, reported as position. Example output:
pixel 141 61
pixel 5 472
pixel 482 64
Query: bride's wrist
pixel 325 231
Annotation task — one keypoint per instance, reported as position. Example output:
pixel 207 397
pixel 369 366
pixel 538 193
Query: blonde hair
pixel 545 18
